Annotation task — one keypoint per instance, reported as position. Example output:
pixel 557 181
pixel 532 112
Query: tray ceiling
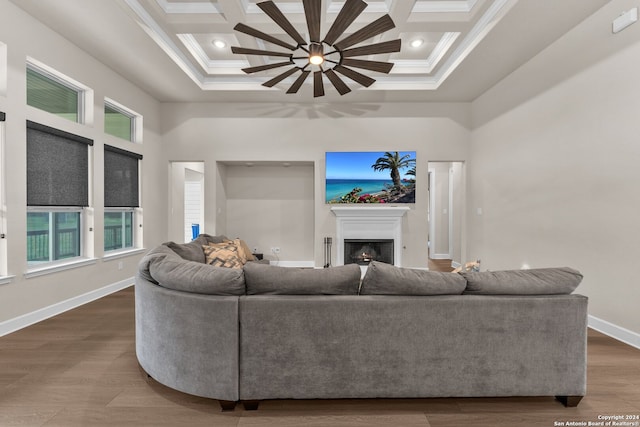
pixel 167 47
pixel 188 31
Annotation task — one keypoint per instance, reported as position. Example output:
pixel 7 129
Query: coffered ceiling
pixel 467 45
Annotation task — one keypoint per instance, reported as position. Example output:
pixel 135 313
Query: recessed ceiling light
pixel 219 44
pixel 417 43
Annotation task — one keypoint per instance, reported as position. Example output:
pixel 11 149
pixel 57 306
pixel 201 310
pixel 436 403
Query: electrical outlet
pixel 275 250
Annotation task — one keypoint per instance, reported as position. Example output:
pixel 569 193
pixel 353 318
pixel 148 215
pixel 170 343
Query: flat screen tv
pixel 370 177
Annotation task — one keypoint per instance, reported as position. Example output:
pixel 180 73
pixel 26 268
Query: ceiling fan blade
pixel 374 49
pixel 266 37
pixel 337 82
pixel 365 81
pixel 318 86
pixel 242 50
pixel 295 87
pixel 274 13
pixel 381 67
pixel 378 26
pixel 349 12
pixel 259 68
pixel 277 79
pixel 313 12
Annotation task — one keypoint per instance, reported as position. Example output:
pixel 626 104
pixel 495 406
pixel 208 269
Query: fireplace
pixel 363 251
pixel 369 224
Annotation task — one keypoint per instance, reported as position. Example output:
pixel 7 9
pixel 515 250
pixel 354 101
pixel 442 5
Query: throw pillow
pixel 386 279
pixel 222 255
pixel 244 250
pixel 264 279
pixel 540 281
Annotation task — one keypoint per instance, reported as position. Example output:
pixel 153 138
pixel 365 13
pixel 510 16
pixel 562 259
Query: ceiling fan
pixel 325 56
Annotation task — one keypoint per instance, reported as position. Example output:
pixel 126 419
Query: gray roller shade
pixel 120 178
pixel 57 167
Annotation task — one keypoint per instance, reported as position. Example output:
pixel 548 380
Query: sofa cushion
pixel 164 267
pixel 192 251
pixel 264 279
pixel 540 281
pixel 386 279
pixel 223 255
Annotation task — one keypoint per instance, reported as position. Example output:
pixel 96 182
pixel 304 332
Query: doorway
pixel 186 201
pixel 446 212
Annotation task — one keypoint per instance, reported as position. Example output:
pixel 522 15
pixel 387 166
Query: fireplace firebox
pixel 363 251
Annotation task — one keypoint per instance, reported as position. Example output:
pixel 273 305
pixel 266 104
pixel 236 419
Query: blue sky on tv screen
pixel 357 165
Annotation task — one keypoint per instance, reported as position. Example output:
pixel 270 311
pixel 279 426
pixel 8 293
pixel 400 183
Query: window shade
pixel 120 178
pixel 57 167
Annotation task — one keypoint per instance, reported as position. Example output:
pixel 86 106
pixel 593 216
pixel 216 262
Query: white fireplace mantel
pixel 369 222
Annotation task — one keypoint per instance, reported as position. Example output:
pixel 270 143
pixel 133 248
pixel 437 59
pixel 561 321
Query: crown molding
pixel 445 6
pixel 188 8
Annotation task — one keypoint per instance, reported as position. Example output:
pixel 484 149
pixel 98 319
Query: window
pixel 53 235
pixel 121 122
pixel 57 192
pixel 121 196
pixel 54 94
pixel 118 229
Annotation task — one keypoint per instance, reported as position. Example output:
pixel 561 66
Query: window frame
pixel 51 210
pixel 83 92
pixel 3 69
pixel 122 248
pixel 4 275
pixel 136 120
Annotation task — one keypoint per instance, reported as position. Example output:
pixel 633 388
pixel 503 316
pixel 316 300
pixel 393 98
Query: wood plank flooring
pixel 80 369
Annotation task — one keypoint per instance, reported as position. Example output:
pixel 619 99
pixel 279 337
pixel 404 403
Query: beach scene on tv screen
pixel 370 177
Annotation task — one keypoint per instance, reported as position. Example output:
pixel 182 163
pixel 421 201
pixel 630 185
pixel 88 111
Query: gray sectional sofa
pixel 266 332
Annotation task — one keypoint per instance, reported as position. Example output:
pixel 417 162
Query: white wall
pixel 25 37
pixel 219 133
pixel 557 175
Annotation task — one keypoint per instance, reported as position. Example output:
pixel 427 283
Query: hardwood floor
pixel 80 369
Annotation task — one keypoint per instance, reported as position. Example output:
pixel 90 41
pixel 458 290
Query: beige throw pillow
pixel 223 255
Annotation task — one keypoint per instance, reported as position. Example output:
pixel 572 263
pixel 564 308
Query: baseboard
pixel 614 331
pixel 17 323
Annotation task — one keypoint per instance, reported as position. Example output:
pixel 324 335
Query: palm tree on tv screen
pixel 393 162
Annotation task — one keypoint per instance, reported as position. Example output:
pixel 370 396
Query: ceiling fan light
pixel 316 59
pixel 316 52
